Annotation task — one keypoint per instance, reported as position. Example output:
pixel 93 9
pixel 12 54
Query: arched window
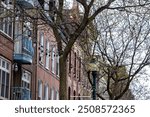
pixel 40 90
pixel 41 47
pixel 46 91
pixel 47 55
pixel 69 93
pixel 57 95
pixel 52 94
pixel 53 60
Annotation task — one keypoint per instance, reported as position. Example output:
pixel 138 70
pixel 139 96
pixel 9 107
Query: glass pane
pixel 44 92
pixel 28 85
pixel 7 91
pixel 7 79
pixel 0 77
pixel 57 68
pixel 42 39
pixel 3 64
pixel 23 84
pixel 2 90
pixel 40 89
pixel 6 26
pixel 3 77
pixel 10 29
pixel 1 21
pixel 7 66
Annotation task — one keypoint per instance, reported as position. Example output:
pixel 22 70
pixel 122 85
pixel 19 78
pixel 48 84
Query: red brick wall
pixel 43 74
pixel 6 46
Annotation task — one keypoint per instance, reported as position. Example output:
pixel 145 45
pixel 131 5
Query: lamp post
pixel 94 75
pixel 92 66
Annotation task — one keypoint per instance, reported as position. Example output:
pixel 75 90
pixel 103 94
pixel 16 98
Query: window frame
pixel 47 58
pixel 57 66
pixel 46 92
pixel 25 74
pixel 53 60
pixel 6 71
pixel 6 24
pixel 40 89
pixel 41 48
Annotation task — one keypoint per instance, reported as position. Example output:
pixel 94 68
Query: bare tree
pixel 55 17
pixel 122 49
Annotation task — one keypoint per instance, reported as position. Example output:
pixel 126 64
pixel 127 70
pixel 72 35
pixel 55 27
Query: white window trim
pixel 40 89
pixel 52 94
pixel 57 61
pixel 28 74
pixel 8 71
pixel 2 31
pixel 7 6
pixel 46 90
pixel 53 60
pixel 41 47
pixel 47 58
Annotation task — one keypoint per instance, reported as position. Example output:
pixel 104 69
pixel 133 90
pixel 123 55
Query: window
pixel 26 77
pixel 53 59
pixel 79 69
pixel 47 55
pixel 52 9
pixel 69 93
pixel 75 56
pixel 57 65
pixel 74 94
pixel 6 22
pixel 46 91
pixel 51 5
pixel 4 78
pixel 40 90
pixel 46 6
pixel 57 95
pixel 52 94
pixel 18 29
pixel 41 47
pixel 18 36
pixel 70 66
pixel 6 25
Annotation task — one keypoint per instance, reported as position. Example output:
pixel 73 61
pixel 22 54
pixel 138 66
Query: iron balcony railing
pixel 21 93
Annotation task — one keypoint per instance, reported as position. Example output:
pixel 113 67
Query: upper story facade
pixel 29 67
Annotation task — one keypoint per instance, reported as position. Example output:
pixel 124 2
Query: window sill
pixel 6 35
pixel 47 68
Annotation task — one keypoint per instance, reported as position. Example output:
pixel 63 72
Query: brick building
pixel 29 61
pixel 6 62
pixel 6 54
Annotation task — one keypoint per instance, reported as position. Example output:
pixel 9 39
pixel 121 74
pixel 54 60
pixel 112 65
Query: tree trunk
pixel 63 78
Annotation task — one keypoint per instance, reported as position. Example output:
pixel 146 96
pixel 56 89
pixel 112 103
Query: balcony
pixel 21 93
pixel 23 50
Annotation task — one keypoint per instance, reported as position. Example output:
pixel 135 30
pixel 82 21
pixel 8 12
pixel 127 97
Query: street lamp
pixel 93 67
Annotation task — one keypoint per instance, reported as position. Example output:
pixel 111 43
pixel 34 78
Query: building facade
pixel 6 62
pixel 6 53
pixel 29 61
